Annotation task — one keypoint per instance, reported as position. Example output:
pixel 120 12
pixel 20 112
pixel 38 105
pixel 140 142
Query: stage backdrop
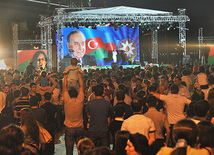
pixel 39 58
pixel 108 45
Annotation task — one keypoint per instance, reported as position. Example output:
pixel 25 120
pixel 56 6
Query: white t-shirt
pixel 139 123
pixel 175 107
pixel 202 79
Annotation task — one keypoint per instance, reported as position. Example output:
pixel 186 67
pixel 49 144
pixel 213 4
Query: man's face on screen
pixel 77 44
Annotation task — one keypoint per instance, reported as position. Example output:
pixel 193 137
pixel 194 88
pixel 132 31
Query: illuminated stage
pixel 122 25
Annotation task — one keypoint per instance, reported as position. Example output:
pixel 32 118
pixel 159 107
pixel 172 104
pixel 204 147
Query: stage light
pixel 158 27
pixel 145 24
pixel 127 24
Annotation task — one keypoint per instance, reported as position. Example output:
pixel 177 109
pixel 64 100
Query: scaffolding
pixel 63 17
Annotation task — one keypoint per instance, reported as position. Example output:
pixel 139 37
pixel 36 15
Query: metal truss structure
pixel 201 40
pixel 75 18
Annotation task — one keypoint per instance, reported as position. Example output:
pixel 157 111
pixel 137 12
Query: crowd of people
pixel 150 110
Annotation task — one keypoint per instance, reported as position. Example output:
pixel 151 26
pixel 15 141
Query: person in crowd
pixel 174 106
pixel 73 113
pixel 39 113
pixel 160 122
pixel 120 96
pixel 197 93
pixel 6 117
pixel 163 87
pixel 30 129
pixel 98 117
pixel 73 71
pixel 116 123
pixel 185 135
pixel 23 102
pixel 201 109
pixel 139 123
pixel 33 88
pixel 114 81
pixel 127 99
pixel 30 69
pixel 183 91
pixel 121 139
pixel 206 136
pixel 137 87
pixel 50 90
pixel 12 141
pixel 50 125
pixel 2 100
pixel 83 145
pixel 186 79
pixel 202 80
pixel 211 103
pixel 137 144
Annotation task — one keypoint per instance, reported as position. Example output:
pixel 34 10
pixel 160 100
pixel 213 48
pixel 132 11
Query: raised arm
pixel 65 82
pixel 80 82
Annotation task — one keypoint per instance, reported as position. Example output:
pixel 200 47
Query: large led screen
pixel 38 57
pixel 102 46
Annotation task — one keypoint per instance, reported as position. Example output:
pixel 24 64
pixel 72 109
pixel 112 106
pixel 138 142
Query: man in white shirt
pixel 175 104
pixel 139 123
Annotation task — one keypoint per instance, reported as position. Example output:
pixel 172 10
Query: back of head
pixel 120 95
pixel 119 111
pixel 28 80
pixel 201 108
pixel 121 138
pixel 205 134
pixel 136 105
pixel 152 88
pixel 73 61
pixel 185 129
pixel 73 92
pixel 17 93
pixel 24 91
pixel 99 90
pixel 48 96
pixel 174 89
pixel 202 69
pixel 11 140
pixel 43 73
pixel 84 145
pixel 140 143
pixel 151 100
pixel 34 101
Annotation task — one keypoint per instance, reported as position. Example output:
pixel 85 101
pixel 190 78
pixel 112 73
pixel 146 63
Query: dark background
pixel 26 14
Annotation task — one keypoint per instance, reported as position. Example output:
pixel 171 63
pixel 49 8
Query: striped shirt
pixel 21 103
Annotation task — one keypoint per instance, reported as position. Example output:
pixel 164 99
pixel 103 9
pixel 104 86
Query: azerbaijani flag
pixel 211 55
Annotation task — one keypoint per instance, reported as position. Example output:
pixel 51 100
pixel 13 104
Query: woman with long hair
pixel 31 129
pixel 184 134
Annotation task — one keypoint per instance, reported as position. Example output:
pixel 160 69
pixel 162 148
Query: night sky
pixel 201 13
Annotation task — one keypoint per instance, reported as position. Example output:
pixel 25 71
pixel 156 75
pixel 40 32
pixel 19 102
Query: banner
pixel 103 44
pixel 38 57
